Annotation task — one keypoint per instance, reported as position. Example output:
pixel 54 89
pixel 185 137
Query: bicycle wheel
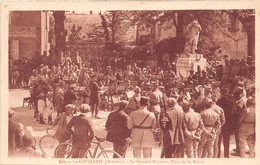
pixel 48 144
pixel 88 154
pixel 63 150
pixel 107 154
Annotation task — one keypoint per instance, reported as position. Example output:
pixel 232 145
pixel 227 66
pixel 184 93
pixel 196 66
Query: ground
pixel 25 115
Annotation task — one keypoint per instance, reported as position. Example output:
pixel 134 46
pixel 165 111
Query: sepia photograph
pixel 110 86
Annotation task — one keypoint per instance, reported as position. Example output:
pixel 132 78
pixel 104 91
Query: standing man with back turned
pixel 83 132
pixel 142 121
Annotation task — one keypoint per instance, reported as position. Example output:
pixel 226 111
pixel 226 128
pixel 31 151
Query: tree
pixel 115 24
pixel 60 32
pixel 111 23
pixel 247 17
pixel 74 35
pixel 105 27
pixel 149 18
pixel 210 19
pixel 179 19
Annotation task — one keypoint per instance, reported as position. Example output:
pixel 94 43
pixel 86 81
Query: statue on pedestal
pixel 192 32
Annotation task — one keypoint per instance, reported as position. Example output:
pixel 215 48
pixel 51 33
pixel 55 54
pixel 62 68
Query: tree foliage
pixel 74 34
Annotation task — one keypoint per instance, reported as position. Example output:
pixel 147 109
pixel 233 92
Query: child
pixel 41 107
pixel 49 107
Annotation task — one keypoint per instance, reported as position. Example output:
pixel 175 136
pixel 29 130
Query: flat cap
pixel 84 108
pixel 69 106
pixel 144 100
pixel 122 104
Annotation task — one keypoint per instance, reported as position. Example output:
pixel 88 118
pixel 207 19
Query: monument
pixel 189 59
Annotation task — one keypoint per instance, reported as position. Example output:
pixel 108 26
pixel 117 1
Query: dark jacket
pixel 83 132
pixel 116 126
pixel 69 97
pixel 228 107
pixel 94 88
pixel 172 125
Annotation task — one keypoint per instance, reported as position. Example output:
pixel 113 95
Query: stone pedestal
pixel 188 62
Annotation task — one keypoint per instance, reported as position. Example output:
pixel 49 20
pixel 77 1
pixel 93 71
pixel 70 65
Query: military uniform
pixel 246 130
pixel 212 125
pixel 192 127
pixel 221 114
pixel 142 135
pixel 155 100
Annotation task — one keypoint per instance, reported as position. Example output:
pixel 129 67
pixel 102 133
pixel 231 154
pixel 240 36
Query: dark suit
pixel 118 132
pixel 173 134
pixel 94 97
pixel 82 135
pixel 228 107
pixel 69 97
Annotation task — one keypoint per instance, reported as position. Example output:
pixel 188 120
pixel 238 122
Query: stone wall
pixel 25 27
pixel 231 43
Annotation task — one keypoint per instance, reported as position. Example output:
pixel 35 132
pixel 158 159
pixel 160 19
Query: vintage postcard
pixel 150 82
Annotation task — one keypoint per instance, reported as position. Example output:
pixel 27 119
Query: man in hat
pixel 172 128
pixel 116 125
pixel 240 104
pixel 155 100
pixel 83 132
pixel 226 70
pixel 70 95
pixel 134 101
pixel 141 122
pixel 192 127
pixel 94 95
pixel 246 128
pixel 212 125
pixel 61 133
pixel 128 73
pixel 59 101
pixel 33 79
pixel 228 107
pixel 221 114
pixel 163 105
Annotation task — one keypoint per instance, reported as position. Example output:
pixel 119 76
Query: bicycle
pixel 48 143
pixel 64 151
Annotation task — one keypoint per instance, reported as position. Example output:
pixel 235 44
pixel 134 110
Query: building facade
pixel 28 33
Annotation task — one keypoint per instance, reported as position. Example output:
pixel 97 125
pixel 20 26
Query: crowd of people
pixel 186 115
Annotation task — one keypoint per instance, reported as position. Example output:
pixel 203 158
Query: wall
pixel 231 43
pixel 25 27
